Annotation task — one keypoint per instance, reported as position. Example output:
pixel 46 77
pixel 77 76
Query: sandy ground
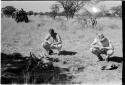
pixel 26 37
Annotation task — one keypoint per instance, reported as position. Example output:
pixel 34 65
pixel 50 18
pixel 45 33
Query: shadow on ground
pixel 19 69
pixel 116 59
pixel 64 52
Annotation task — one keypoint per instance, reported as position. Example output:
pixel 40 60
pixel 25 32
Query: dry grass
pixel 26 37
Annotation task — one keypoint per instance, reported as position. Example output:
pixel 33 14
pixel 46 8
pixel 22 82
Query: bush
pixel 8 10
pixel 30 13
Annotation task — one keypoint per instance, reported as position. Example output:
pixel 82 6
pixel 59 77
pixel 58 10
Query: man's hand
pixel 95 46
pixel 53 45
pixel 103 49
pixel 99 47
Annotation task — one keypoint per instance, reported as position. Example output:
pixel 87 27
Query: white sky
pixel 109 4
pixel 44 6
pixel 36 6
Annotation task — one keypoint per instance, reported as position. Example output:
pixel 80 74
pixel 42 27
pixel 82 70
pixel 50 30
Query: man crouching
pixel 102 45
pixel 52 41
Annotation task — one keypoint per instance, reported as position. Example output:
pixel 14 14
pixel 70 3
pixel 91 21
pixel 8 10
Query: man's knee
pixel 60 46
pixel 93 49
pixel 110 52
pixel 44 44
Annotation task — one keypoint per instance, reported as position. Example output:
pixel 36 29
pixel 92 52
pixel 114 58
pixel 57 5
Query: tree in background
pixel 103 10
pixel 117 10
pixel 71 7
pixel 8 10
pixel 55 10
pixel 46 13
pixel 35 13
pixel 41 13
pixel 30 13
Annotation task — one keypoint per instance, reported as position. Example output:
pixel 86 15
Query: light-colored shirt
pixel 105 43
pixel 56 40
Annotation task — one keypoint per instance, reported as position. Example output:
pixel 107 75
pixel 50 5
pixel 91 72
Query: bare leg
pixel 46 47
pixel 57 47
pixel 97 52
pixel 108 54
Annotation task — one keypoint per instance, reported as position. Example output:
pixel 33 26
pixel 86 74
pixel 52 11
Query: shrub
pixel 8 10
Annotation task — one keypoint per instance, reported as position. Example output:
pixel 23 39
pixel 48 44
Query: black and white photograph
pixel 62 42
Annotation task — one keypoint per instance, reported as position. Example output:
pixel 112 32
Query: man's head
pixel 51 31
pixel 101 37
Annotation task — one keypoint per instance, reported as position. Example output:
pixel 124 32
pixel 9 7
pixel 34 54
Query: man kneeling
pixel 102 45
pixel 52 41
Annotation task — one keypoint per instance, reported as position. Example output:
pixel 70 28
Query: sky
pixel 36 6
pixel 95 8
pixel 44 6
pixel 109 4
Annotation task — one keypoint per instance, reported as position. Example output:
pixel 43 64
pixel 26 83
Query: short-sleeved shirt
pixel 53 40
pixel 105 43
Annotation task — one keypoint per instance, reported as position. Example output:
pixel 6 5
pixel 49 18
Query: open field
pixel 24 38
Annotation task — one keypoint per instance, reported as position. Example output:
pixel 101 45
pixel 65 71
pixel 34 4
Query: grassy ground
pixel 26 37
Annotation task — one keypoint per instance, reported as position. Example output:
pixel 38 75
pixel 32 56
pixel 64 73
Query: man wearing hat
pixel 52 41
pixel 102 45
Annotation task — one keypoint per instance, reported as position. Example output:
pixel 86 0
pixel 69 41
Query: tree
pixel 41 13
pixel 46 13
pixel 20 16
pixel 71 7
pixel 103 9
pixel 117 10
pixel 35 13
pixel 30 13
pixel 55 10
pixel 8 10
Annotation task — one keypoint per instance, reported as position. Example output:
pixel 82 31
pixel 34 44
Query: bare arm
pixel 47 38
pixel 59 41
pixel 94 43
